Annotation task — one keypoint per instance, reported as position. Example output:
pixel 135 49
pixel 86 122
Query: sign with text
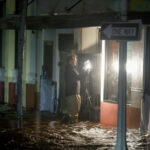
pixel 130 31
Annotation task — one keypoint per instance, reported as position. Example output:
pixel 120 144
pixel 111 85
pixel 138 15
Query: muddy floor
pixel 43 131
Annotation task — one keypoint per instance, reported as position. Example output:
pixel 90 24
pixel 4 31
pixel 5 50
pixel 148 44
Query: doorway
pixel 48 60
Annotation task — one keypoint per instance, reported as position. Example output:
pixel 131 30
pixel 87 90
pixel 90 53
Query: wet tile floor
pixel 42 131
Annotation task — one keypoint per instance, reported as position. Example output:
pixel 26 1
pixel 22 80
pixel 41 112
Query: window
pixel 111 71
pixel 134 69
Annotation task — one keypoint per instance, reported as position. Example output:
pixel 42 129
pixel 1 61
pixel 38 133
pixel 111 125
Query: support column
pixel 9 60
pixel 20 63
pixel 9 50
pixel 29 67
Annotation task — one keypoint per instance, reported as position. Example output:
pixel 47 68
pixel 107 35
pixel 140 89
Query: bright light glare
pixel 131 68
pixel 87 65
pixel 116 66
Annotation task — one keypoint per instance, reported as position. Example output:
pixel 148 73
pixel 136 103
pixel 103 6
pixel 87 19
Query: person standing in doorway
pixel 72 89
pixel 72 104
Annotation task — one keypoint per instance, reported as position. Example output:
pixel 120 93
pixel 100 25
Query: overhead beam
pixel 144 16
pixel 68 21
pixel 57 21
pixel 10 22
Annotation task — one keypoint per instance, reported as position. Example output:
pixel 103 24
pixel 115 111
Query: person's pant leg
pixel 73 106
pixel 78 101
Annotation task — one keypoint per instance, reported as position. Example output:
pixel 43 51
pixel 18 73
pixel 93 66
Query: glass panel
pixel 111 74
pixel 134 68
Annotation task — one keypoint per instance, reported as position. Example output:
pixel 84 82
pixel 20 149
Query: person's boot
pixel 74 119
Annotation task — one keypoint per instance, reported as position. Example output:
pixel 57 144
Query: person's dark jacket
pixel 72 80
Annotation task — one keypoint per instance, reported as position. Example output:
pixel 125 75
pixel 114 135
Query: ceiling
pixel 73 6
pixel 71 14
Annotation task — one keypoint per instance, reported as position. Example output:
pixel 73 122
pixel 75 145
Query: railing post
pixel 121 121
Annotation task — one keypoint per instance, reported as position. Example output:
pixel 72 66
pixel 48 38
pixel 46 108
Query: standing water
pixel 43 131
